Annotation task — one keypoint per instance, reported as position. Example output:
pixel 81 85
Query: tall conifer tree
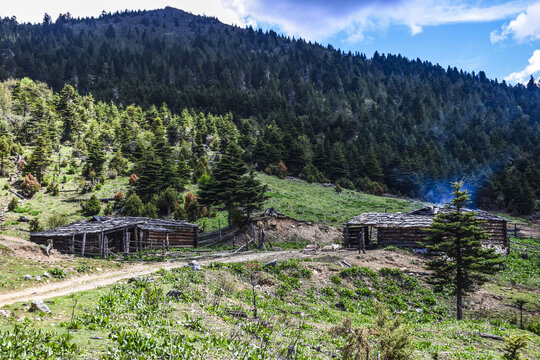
pixel 457 236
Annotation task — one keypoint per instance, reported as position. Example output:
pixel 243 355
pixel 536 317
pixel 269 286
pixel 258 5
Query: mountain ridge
pixel 408 125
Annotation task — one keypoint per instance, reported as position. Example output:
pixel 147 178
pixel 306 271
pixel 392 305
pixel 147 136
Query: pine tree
pixel 5 149
pixel 456 235
pixel 40 158
pixel 148 171
pixel 229 185
pixel 251 195
pixel 372 167
pixel 96 157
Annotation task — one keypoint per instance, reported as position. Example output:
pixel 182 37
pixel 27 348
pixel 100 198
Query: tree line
pixel 379 124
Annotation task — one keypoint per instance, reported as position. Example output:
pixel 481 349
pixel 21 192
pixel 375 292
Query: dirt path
pixel 89 282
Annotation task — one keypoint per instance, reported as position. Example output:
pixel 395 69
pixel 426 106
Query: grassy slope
pixel 295 198
pixel 299 302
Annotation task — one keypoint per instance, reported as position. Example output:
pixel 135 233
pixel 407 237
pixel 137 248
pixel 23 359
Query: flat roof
pixel 421 218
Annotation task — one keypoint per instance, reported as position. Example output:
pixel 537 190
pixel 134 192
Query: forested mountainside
pixel 384 123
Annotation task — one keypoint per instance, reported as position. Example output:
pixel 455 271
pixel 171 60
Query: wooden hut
pixel 410 229
pixel 102 235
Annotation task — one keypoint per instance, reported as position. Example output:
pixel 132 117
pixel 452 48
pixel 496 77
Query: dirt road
pixel 94 281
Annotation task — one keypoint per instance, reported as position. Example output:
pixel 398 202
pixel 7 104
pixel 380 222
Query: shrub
pixel 133 178
pixel 56 220
pixel 57 273
pixel 35 225
pixel 167 201
pixel 346 183
pixel 149 210
pixel 112 174
pixel 119 197
pixel 338 188
pixel 534 326
pixel 13 204
pixel 281 170
pixel 133 206
pixel 193 209
pixel 53 189
pixel 30 185
pixel 118 163
pixel 92 206
pixel 335 279
pixel 513 346
pixel 108 210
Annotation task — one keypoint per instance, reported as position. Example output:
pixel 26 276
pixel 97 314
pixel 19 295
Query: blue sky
pixel 500 37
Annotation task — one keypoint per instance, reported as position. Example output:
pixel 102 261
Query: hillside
pixel 301 304
pixel 380 123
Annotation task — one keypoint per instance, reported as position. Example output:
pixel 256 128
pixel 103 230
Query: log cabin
pixel 410 229
pixel 102 235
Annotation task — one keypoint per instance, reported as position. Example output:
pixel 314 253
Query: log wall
pixel 125 240
pixel 411 237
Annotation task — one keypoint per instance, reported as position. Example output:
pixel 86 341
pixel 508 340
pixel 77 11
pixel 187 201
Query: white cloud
pixel 525 27
pixel 311 19
pixel 524 75
pixel 320 19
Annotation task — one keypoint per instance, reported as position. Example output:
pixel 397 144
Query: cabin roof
pixel 98 224
pixel 421 218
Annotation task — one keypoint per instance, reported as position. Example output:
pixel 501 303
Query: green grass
pixel 13 269
pixel 314 202
pixel 135 319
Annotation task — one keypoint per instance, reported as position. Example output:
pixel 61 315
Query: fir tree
pixel 250 195
pixel 229 184
pixel 96 157
pixel 40 158
pixel 456 235
pixel 148 171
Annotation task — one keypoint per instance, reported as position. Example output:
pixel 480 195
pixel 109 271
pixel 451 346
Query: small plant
pixel 57 273
pixel 513 346
pixel 335 279
pixel 119 196
pixel 92 206
pixel 56 220
pixel 35 225
pixel 13 204
pixel 133 178
pixel 85 267
pixel 133 206
pixel 53 189
pixel 30 185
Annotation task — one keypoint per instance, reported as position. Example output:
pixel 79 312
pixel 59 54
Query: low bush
pixel 13 204
pixel 30 185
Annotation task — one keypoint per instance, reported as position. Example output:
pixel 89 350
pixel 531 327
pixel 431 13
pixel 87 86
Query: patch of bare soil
pixel 281 229
pixel 25 249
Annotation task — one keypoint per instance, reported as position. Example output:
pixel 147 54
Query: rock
pixel 99 269
pixel 24 219
pixel 4 313
pixel 177 294
pixel 238 314
pixel 39 305
pixel 96 337
pixel 27 277
pixel 47 275
pixel 271 263
pixel 38 278
pixel 194 265
pixel 312 246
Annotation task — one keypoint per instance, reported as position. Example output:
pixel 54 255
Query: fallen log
pixel 17 194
